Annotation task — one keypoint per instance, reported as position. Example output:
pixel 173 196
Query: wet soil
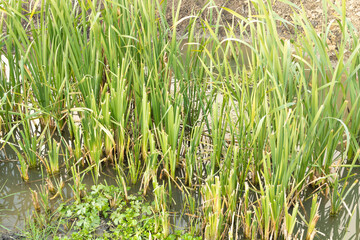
pixel 313 8
pixel 10 235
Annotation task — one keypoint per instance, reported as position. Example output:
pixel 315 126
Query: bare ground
pixel 313 9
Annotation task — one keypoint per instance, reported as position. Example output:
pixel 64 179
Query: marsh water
pixel 15 199
pixel 345 225
pixel 16 203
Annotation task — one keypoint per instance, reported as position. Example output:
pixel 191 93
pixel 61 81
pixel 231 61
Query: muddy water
pixel 344 225
pixel 16 205
pixel 16 202
pixel 15 196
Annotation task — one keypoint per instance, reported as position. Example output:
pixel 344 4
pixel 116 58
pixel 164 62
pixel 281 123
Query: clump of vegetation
pixel 103 213
pixel 251 119
pixel 106 209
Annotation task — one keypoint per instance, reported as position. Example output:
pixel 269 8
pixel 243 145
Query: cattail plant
pixel 78 188
pixel 50 186
pixel 170 140
pixel 119 107
pixel 151 163
pixel 213 209
pixel 105 112
pixel 44 198
pixel 35 200
pixel 92 138
pixel 76 132
pixel 134 161
pixel 290 222
pixel 191 156
pixel 174 138
pixel 52 164
pixel 29 143
pixel 23 169
pixel 314 217
pixel 246 214
pixel 160 207
pixel 218 130
pixel 337 197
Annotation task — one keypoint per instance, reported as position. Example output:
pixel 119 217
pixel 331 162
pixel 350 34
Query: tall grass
pixel 251 118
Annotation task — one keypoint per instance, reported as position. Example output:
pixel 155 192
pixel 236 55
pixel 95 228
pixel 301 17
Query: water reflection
pixel 16 205
pixel 16 199
pixel 341 226
pixel 15 196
